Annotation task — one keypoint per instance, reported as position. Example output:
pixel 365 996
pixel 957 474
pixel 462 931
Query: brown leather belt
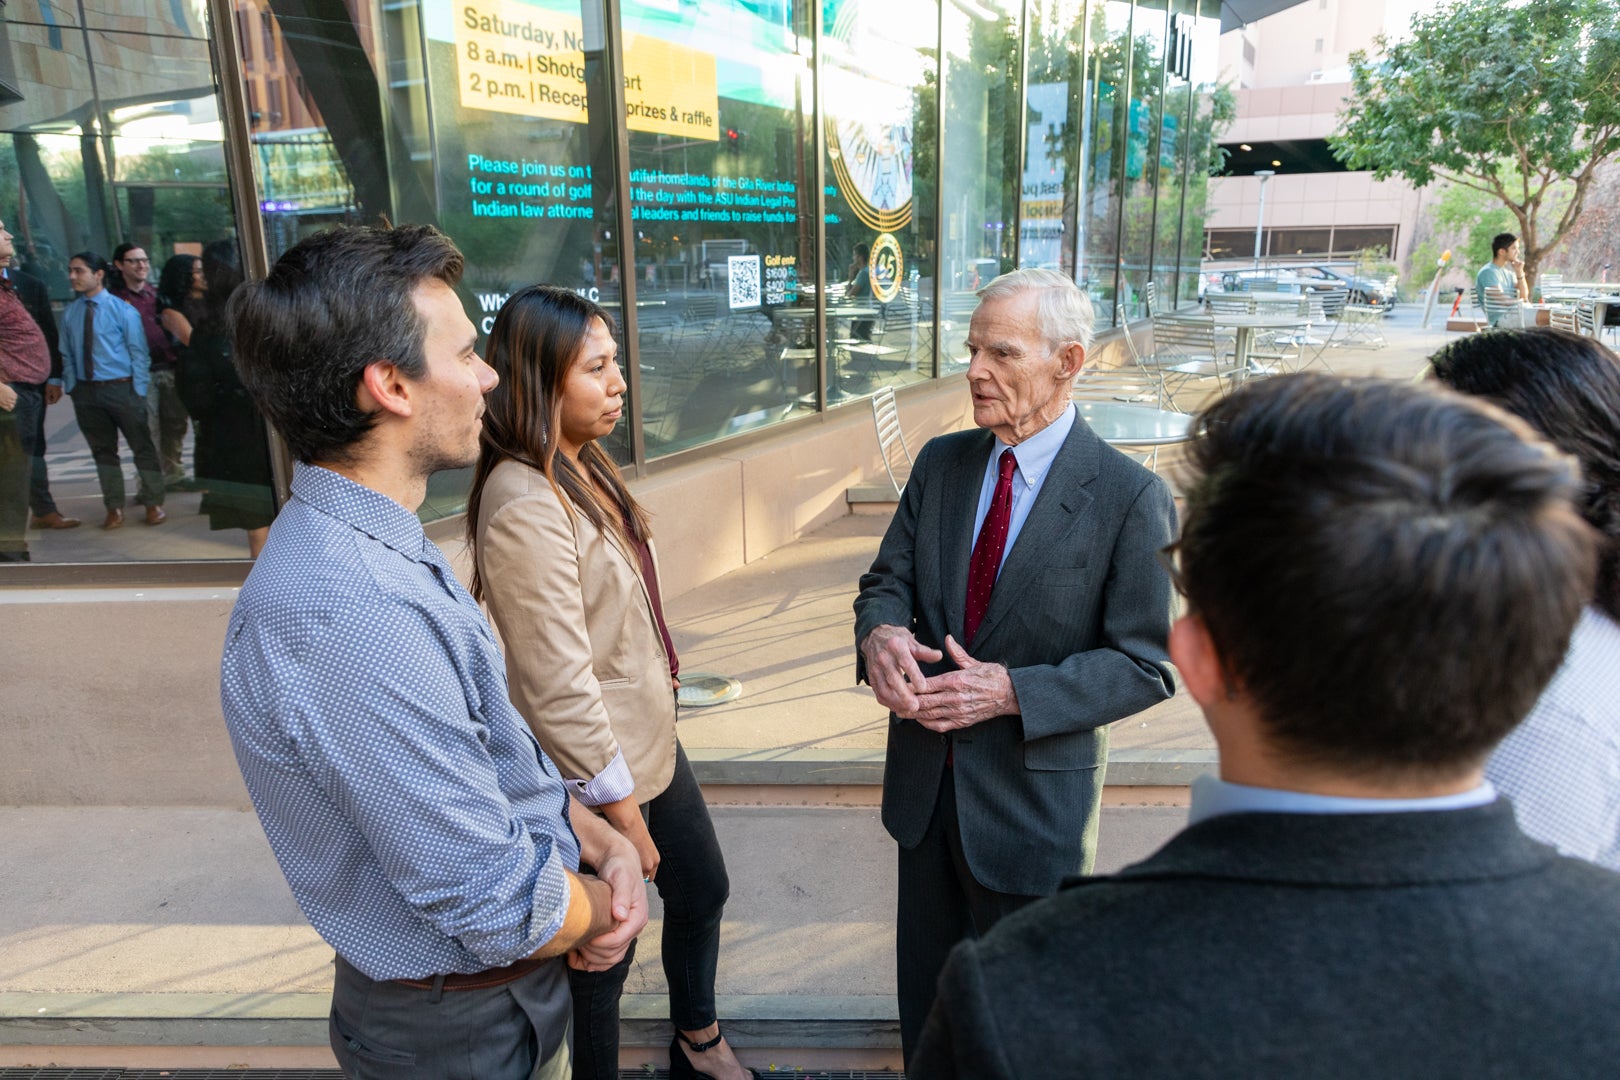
pixel 478 980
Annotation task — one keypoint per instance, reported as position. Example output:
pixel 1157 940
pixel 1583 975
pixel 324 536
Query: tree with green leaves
pixel 1519 101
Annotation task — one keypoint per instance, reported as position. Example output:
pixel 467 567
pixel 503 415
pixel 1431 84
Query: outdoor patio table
pixel 1244 326
pixel 1118 423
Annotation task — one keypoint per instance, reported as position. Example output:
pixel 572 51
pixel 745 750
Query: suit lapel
pixel 1058 509
pixel 963 479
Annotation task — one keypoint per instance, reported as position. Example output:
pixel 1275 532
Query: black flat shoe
pixel 681 1067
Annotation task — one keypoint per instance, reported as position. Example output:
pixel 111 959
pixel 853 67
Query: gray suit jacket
pixel 1417 945
pixel 1080 616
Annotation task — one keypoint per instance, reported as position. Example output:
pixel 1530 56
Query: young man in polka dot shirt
pixel 421 828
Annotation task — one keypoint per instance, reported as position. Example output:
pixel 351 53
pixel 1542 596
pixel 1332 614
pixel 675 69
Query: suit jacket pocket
pixel 1064 577
pixel 1060 753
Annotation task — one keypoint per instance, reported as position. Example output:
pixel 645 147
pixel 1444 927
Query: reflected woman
pixel 563 557
pixel 233 445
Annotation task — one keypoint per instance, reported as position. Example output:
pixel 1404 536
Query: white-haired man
pixel 1016 607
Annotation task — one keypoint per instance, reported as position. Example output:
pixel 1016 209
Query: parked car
pixel 1315 276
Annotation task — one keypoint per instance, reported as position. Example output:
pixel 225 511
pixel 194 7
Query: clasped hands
pixel 949 701
pixel 620 870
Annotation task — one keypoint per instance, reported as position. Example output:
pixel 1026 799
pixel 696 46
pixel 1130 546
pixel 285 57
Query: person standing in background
pixel 105 372
pixel 166 413
pixel 180 292
pixel 28 358
pixel 232 451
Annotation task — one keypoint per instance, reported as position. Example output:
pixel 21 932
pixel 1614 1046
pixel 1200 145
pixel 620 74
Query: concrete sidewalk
pixel 168 937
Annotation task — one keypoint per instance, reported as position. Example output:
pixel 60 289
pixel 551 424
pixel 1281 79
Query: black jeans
pixel 104 409
pixel 31 429
pixel 385 1031
pixel 14 471
pixel 693 886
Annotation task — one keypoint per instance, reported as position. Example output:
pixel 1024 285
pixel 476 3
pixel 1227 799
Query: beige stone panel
pixel 697 521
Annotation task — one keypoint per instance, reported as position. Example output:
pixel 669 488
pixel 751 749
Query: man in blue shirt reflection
pixel 105 370
pixel 422 830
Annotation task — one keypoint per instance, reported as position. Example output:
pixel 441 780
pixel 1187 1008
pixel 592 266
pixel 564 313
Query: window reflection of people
pixel 564 560
pixel 180 292
pixel 859 287
pixel 28 357
pixel 105 371
pixel 232 447
pixel 165 413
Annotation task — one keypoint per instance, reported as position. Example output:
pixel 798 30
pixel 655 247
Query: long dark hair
pixel 174 284
pixel 536 338
pixel 222 270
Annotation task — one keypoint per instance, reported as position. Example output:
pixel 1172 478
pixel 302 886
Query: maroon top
pixel 146 302
pixel 649 574
pixel 24 356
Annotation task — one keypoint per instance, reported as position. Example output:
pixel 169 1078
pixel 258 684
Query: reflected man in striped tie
pixel 1015 608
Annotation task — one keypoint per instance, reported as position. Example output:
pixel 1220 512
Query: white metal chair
pixel 1184 349
pixel 1563 318
pixel 1363 326
pixel 886 416
pixel 1586 318
pixel 1502 309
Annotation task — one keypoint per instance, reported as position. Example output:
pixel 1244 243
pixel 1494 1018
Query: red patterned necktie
pixel 988 549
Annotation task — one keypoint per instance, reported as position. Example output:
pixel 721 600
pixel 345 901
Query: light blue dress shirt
pixel 121 351
pixel 1213 797
pixel 420 826
pixel 1034 456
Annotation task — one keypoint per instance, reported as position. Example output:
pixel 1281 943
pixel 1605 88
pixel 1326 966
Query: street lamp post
pixel 1260 221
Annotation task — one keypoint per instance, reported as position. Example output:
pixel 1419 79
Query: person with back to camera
pixel 1561 767
pixel 232 450
pixel 564 559
pixel 1379 579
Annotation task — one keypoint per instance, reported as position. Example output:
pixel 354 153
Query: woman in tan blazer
pixel 563 557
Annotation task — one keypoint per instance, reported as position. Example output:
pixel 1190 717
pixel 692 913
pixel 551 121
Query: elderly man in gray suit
pixel 1379 579
pixel 1015 609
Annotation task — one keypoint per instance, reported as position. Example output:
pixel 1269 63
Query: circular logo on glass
pixel 887 268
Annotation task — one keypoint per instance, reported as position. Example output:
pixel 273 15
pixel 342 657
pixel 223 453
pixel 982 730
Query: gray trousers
pixel 516 1031
pixel 166 415
pixel 104 410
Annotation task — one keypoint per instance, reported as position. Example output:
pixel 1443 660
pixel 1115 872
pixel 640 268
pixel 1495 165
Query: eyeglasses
pixel 137 262
pixel 1169 557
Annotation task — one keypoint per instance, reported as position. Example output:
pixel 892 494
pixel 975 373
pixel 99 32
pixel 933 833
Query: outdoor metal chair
pixel 1185 351
pixel 1563 318
pixel 886 416
pixel 1586 318
pixel 1502 309
pixel 1363 326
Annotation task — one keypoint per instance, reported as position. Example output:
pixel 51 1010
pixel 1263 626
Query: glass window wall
pixel 1103 148
pixel 983 45
pixel 880 90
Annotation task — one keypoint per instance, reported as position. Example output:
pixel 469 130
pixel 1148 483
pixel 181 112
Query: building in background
pixel 1291 71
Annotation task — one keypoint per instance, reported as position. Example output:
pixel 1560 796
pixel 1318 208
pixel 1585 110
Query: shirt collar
pixel 361 508
pixel 1036 453
pixel 1213 797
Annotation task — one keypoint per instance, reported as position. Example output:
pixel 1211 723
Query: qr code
pixel 743 273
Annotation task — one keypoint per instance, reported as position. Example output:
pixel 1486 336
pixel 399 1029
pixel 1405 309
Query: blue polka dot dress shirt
pixel 420 826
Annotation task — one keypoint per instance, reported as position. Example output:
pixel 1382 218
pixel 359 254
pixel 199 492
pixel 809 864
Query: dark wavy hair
pixel 1390 573
pixel 537 336
pixel 1567 387
pixel 94 261
pixel 334 304
pixel 174 283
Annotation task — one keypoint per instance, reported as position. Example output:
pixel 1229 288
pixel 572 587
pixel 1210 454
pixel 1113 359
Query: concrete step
pixel 170 934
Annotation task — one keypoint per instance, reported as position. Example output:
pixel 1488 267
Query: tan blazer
pixel 584 658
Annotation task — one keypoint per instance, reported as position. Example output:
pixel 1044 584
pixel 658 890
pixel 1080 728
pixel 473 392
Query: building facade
pixel 717 173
